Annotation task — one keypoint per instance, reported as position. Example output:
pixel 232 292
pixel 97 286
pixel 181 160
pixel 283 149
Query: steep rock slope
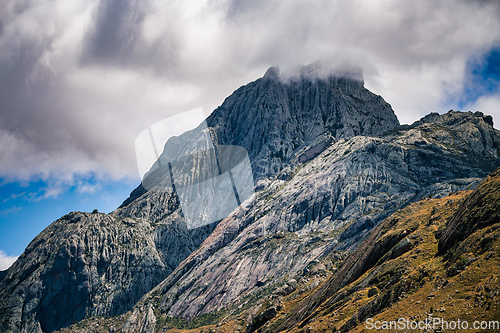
pixel 397 271
pixel 477 212
pixel 88 265
pixel 274 118
pixel 323 183
pixel 328 203
pixel 62 275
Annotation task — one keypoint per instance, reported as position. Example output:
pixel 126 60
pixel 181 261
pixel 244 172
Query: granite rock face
pixel 457 234
pixel 81 265
pixel 276 116
pixel 89 265
pixel 479 211
pixel 329 161
pixel 342 194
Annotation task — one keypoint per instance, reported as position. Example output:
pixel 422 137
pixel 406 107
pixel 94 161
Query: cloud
pixel 5 260
pixel 10 211
pixel 49 192
pixel 88 188
pixel 79 80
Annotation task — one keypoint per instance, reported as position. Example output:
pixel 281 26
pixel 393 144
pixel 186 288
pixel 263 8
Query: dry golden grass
pixel 424 289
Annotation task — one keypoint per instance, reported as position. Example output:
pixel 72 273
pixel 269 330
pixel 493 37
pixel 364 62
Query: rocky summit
pixel 330 162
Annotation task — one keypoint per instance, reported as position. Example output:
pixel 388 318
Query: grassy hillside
pixel 412 280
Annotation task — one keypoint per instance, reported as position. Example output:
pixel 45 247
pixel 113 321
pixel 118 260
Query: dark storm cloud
pixel 80 79
pixel 115 31
pixel 115 38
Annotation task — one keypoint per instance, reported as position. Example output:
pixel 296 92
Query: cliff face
pixel 281 122
pixel 276 116
pixel 328 203
pixel 80 265
pixel 409 267
pixel 396 272
pixel 479 211
pixel 83 265
pixel 90 265
pixel 329 163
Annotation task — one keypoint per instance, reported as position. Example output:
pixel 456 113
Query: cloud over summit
pixel 80 79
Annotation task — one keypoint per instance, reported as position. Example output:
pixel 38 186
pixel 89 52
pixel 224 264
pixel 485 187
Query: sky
pixel 81 79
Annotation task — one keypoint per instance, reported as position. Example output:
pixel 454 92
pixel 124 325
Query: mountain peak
pixel 330 163
pixel 272 73
pixel 284 112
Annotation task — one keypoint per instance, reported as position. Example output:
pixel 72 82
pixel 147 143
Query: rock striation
pixel 431 253
pixel 342 193
pixel 329 161
pixel 276 116
pixel 86 265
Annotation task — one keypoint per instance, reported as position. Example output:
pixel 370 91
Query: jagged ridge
pixel 354 183
pixel 314 175
pixel 403 250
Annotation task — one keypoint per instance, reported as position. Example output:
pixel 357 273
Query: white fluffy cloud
pixel 5 260
pixel 80 79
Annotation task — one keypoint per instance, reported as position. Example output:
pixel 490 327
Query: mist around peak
pixel 318 70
